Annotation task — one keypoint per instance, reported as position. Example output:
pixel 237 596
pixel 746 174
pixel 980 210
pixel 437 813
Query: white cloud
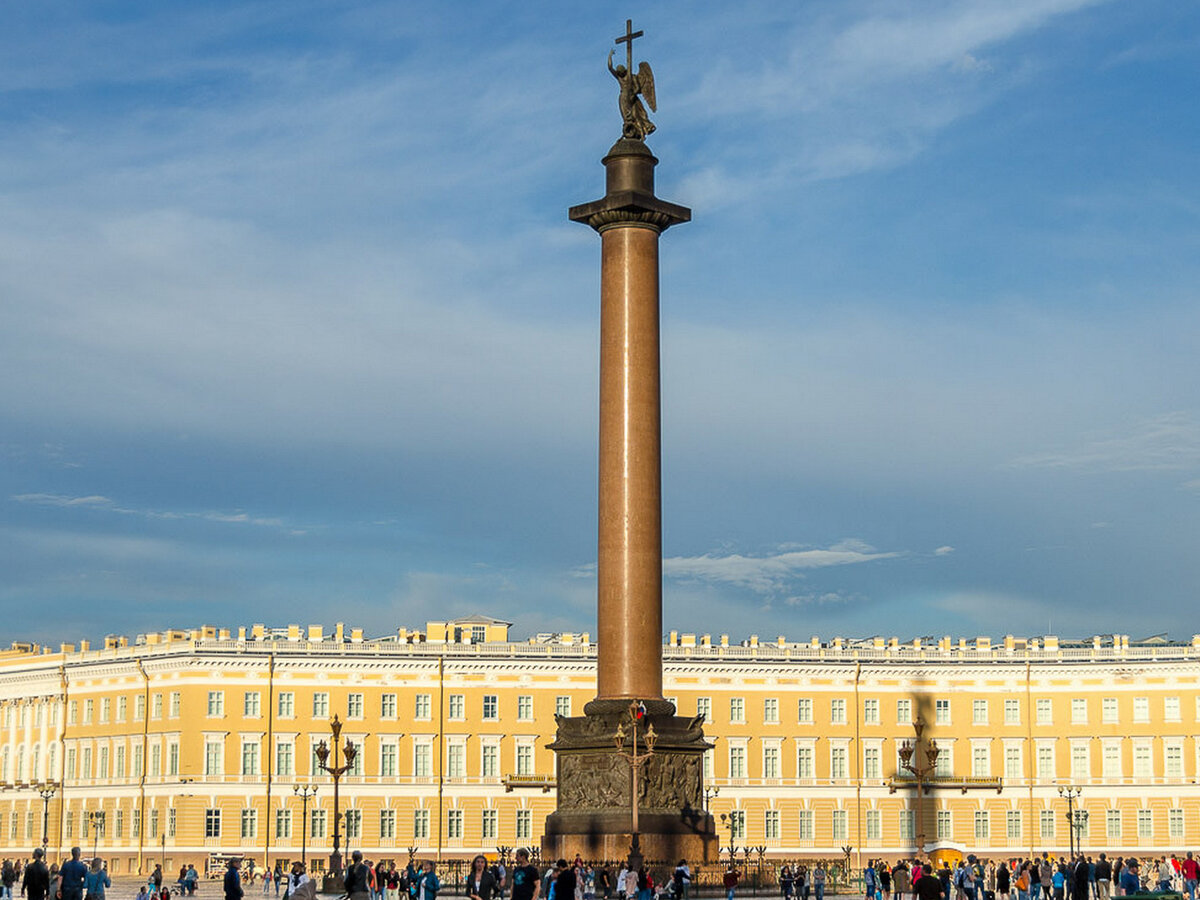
pixel 767 574
pixel 1170 441
pixel 96 501
pixel 943 551
pixel 62 500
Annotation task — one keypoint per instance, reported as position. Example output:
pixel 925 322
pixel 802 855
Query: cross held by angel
pixel 636 122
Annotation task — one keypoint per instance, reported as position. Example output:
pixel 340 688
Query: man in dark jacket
pixel 233 881
pixel 35 884
pixel 1083 879
pixel 71 877
pixel 357 879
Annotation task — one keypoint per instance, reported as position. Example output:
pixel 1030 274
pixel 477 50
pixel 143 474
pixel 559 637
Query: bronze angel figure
pixel 636 121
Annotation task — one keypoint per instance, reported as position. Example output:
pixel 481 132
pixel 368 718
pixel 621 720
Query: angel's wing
pixel 645 77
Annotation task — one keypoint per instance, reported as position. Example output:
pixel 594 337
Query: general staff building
pixel 189 743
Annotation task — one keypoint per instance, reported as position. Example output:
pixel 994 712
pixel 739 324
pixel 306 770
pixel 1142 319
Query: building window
pixel 122 709
pixel 454 823
pixel 524 759
pixel 837 712
pixel 1145 825
pixel 874 825
pixel 212 757
pixel 421 706
pixel 525 708
pixel 457 707
pixel 737 761
pixel 216 704
pixel 249 823
pixel 982 829
pixel 1045 761
pixel 387 824
pixel 1012 763
pixel 771 711
pixel 904 712
pixel 139 707
pixel 524 824
pixel 979 712
pixel 737 824
pixel 737 709
pixel 1012 824
pixel 837 762
pixel 805 832
pixel 320 705
pixel 804 762
pixel 1078 710
pixel 1012 712
pixel 490 825
pixel 135 824
pixel 88 709
pixel 318 821
pixel 1112 760
pixel 704 708
pixel 1046 823
pixel 1112 824
pixel 1141 709
pixel 491 707
pixel 941 712
pixel 1142 765
pixel 421 824
pixel 908 825
pixel 120 762
pixel 839 824
pixel 250 759
pixel 1171 709
pixel 176 704
pixel 1173 760
pixel 102 767
pixel 944 767
pixel 354 823
pixel 490 756
pixel 871 762
pixel 173 758
pixel 770 761
pixel 287 704
pixel 1042 711
pixel 945 831
pixel 212 823
pixel 562 706
pixel 771 825
pixel 389 756
pixel 354 705
pixel 172 821
pixel 283 823
pixel 870 712
pixel 804 711
pixel 251 704
pixel 456 761
pixel 284 758
pixel 981 764
pixel 1079 760
pixel 422 756
pixel 387 706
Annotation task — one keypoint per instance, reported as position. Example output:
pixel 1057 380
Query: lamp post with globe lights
pixel 304 792
pixel 908 751
pixel 333 882
pixel 637 716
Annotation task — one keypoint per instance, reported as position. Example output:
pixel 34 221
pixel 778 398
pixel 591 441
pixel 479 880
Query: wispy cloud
pixel 770 573
pixel 1167 442
pixel 62 500
pixel 96 501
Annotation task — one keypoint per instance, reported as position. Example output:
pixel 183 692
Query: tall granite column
pixel 594 818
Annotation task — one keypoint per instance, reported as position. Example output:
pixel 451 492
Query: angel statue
pixel 637 122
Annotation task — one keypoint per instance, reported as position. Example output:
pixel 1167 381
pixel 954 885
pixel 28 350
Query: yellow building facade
pixel 184 744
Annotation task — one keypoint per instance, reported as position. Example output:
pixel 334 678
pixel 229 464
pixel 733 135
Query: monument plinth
pixel 596 796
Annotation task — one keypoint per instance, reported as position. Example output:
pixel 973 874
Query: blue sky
pixel 295 329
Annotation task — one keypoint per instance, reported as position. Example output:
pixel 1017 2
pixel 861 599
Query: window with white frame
pixel 212 823
pixel 251 704
pixel 320 705
pixel 212 757
pixel 770 761
pixel 250 758
pixel 457 707
pixel 771 825
pixel 562 705
pixel 870 711
pixel 704 708
pixel 737 709
pixel 389 759
pixel 874 825
pixel 387 707
pixel 904 711
pixel 804 761
pixel 318 822
pixel 490 760
pixel 421 824
pixel 1012 824
pixel 737 761
pixel 1012 762
pixel 249 824
pixel 737 824
pixel 837 711
pixel 422 706
pixel 1112 824
pixel 283 824
pixel 387 824
pixel 491 707
pixel 1109 712
pixel 840 825
pixel 1145 825
pixel 982 826
pixel 805 832
pixel 1143 766
pixel 524 708
pixel 1141 709
pixel 1173 760
pixel 979 712
pixel 284 757
pixel 456 760
pixel 1046 824
pixel 1080 760
pixel 1111 759
pixel 286 704
pixel 524 824
pixel 216 703
pixel 908 825
pixel 1171 709
pixel 354 824
pixel 1078 710
pixel 1045 761
pixel 943 766
pixel 945 825
pixel 804 711
pixel 838 767
pixel 1012 711
pixel 122 709
pixel 524 758
pixel 1043 711
pixel 422 759
pixel 771 711
pixel 871 762
pixel 490 824
pixel 941 712
pixel 354 705
pixel 981 762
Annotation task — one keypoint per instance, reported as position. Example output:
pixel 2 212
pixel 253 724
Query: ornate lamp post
pixel 731 821
pixel 333 882
pixel 1070 793
pixel 908 750
pixel 304 792
pixel 95 822
pixel 709 793
pixel 637 715
pixel 46 792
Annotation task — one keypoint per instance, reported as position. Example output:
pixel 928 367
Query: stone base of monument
pixel 594 815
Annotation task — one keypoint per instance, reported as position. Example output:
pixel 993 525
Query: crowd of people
pixel 1039 878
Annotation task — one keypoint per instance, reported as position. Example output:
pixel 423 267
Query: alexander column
pixel 630 770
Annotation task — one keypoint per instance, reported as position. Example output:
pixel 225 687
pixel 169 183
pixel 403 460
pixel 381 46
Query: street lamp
pixel 95 822
pixel 304 792
pixel 333 878
pixel 731 820
pixel 1070 792
pixel 709 793
pixel 908 751
pixel 46 792
pixel 637 715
